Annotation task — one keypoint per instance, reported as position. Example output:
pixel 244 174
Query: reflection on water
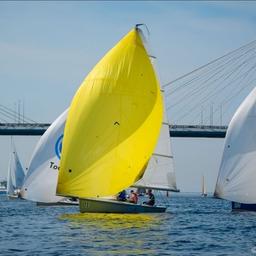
pixel 113 221
pixel 192 226
pixel 118 234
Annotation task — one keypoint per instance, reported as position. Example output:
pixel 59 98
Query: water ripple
pixel 192 226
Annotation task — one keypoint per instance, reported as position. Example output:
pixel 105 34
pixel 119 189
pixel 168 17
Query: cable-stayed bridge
pixel 195 131
pixel 198 104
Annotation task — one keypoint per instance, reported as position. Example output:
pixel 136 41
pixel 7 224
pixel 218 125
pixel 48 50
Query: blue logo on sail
pixel 58 146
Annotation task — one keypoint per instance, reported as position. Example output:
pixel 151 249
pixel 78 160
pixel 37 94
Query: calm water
pixel 193 226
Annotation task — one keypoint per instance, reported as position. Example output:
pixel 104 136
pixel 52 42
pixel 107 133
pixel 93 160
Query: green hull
pixel 111 206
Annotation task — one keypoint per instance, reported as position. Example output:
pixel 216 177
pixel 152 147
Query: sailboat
pixel 204 192
pixel 237 173
pixel 112 129
pixel 15 175
pixel 41 180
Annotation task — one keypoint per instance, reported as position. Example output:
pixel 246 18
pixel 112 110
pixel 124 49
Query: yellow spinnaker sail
pixel 113 123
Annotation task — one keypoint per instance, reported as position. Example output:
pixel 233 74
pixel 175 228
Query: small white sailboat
pixel 112 129
pixel 15 175
pixel 237 173
pixel 41 179
pixel 204 190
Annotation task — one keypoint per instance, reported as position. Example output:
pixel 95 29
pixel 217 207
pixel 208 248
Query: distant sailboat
pixel 41 179
pixel 237 174
pixel 112 129
pixel 15 176
pixel 204 191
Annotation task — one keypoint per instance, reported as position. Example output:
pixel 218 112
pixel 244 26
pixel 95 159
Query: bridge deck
pixel 192 131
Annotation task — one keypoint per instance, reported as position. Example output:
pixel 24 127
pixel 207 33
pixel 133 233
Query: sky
pixel 47 49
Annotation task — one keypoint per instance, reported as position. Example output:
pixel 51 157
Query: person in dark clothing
pixel 121 196
pixel 151 198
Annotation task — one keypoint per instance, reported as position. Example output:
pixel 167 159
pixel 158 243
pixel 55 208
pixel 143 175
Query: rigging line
pixel 10 116
pixel 232 96
pixel 232 72
pixel 15 113
pixel 236 79
pixel 210 82
pixel 5 121
pixel 204 84
pixel 4 114
pixel 207 64
pixel 184 115
pixel 198 77
pixel 229 106
pixel 207 84
pixel 196 106
pixel 227 60
pixel 9 111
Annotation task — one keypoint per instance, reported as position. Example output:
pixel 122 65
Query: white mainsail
pixel 15 173
pixel 160 172
pixel 204 190
pixel 10 186
pixel 237 174
pixel 41 179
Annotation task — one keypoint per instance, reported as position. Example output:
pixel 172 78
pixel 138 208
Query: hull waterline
pixel 110 206
pixel 243 207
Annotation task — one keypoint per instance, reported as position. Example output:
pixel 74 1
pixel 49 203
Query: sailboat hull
pixel 243 207
pixel 66 202
pixel 57 204
pixel 111 206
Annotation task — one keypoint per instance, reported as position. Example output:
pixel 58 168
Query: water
pixel 192 226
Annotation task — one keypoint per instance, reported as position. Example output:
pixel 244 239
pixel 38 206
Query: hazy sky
pixel 47 48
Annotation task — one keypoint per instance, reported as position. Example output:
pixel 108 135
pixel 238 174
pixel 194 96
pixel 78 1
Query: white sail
pixel 237 174
pixel 160 173
pixel 15 173
pixel 10 186
pixel 41 179
pixel 204 190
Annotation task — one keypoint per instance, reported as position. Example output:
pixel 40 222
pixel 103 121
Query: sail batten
pixel 113 123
